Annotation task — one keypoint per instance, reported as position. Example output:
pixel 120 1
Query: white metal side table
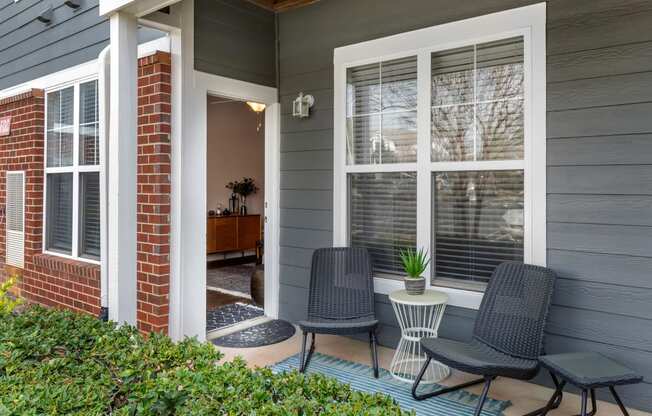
pixel 418 316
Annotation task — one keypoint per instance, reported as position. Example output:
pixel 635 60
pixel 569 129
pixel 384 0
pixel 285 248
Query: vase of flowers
pixel 414 264
pixel 243 188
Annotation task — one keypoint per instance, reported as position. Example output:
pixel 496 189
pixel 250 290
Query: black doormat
pixel 268 333
pixel 232 314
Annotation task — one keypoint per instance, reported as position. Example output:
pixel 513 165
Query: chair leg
pixel 483 396
pixel 618 401
pixel 303 352
pixel 584 403
pixel 554 401
pixel 374 352
pixel 306 360
pixel 594 404
pixel 420 397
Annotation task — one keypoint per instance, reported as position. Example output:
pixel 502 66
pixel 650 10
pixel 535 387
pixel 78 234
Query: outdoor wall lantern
pixel 301 105
pixel 46 15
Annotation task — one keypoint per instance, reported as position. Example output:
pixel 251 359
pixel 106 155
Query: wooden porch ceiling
pixel 282 5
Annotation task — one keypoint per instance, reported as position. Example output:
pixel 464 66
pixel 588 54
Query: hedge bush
pixel 56 362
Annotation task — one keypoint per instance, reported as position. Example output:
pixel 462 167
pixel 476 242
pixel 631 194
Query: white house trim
pixel 122 162
pixel 528 22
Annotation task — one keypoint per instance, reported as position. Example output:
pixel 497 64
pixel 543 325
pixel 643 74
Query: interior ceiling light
pixel 257 107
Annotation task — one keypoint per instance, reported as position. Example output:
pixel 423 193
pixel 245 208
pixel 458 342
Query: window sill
pixel 456 297
pixel 56 262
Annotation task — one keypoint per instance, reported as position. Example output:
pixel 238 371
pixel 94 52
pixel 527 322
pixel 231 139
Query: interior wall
pixel 235 149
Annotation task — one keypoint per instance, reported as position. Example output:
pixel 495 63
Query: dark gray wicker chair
pixel 341 298
pixel 508 333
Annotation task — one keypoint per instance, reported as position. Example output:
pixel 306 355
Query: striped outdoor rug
pixel 360 377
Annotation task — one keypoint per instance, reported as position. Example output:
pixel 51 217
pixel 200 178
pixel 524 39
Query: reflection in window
pixel 381 112
pixel 477 102
pixel 477 223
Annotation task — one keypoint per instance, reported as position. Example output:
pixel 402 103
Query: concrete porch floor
pixel 525 397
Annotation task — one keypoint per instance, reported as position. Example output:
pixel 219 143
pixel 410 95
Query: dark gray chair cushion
pixel 338 326
pixel 478 358
pixel 589 370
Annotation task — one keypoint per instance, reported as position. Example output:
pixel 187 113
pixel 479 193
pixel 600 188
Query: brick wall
pixel 59 282
pixel 49 280
pixel 154 152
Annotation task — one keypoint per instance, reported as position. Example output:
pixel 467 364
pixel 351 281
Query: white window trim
pixel 529 22
pixel 75 169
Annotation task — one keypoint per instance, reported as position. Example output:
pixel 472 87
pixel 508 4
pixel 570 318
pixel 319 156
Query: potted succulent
pixel 414 264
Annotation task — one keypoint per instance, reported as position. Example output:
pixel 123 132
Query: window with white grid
pixel 440 144
pixel 72 172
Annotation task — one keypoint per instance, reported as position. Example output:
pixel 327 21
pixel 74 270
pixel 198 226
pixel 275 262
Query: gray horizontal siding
pixel 30 49
pixel 599 100
pixel 235 39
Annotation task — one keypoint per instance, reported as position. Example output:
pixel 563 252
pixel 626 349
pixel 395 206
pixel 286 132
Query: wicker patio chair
pixel 508 333
pixel 341 298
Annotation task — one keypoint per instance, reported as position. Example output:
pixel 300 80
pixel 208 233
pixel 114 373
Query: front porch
pixel 524 396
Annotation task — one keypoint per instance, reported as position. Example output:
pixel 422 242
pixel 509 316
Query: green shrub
pixel 57 362
pixel 8 303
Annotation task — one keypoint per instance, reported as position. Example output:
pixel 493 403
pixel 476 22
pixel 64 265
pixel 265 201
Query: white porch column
pixel 122 159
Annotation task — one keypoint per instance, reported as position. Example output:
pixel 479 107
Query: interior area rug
pixel 360 377
pixel 231 314
pixel 233 280
pixel 267 333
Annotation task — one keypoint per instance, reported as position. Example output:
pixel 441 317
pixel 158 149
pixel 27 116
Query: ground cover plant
pixel 61 363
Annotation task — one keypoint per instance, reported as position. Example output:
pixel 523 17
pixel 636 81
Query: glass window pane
pixel 477 224
pixel 60 147
pixel 452 133
pixel 381 112
pixel 399 137
pixel 89 215
pixel 500 130
pixel 60 128
pixel 489 78
pixel 363 139
pixel 399 84
pixel 89 149
pixel 383 216
pixel 88 124
pixel 88 109
pixel 59 213
pixel 500 69
pixel 452 76
pixel 363 90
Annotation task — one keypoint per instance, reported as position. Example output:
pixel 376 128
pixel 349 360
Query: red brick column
pixel 154 168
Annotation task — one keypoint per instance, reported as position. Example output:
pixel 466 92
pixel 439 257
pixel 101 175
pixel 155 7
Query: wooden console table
pixel 232 233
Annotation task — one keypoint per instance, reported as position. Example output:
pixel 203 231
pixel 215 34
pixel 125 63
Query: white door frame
pixel 190 89
pixel 193 174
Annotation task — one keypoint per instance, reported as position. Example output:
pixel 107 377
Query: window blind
pixel 59 212
pixel 478 223
pixel 383 216
pixel 60 128
pixel 89 214
pixel 88 124
pixel 381 112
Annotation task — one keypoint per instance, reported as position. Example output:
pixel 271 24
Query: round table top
pixel 429 297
